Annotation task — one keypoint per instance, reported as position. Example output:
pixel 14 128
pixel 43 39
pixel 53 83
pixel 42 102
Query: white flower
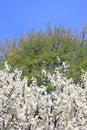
pixel 44 72
pixel 30 107
pixel 7 67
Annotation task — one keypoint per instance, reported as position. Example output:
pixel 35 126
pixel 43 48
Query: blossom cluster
pixel 24 107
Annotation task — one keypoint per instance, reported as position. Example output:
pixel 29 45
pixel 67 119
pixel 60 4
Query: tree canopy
pixel 38 50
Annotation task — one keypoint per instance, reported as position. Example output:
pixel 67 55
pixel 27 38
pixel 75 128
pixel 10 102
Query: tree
pixel 38 50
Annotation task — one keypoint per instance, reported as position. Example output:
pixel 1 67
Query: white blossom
pixel 24 107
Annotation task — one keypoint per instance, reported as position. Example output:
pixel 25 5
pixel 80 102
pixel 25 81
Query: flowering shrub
pixel 25 107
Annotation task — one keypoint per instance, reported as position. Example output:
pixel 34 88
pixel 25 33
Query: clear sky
pixel 20 16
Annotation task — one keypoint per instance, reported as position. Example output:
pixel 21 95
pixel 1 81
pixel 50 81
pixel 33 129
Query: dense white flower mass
pixel 25 107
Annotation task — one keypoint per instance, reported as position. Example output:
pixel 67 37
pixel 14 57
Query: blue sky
pixel 20 16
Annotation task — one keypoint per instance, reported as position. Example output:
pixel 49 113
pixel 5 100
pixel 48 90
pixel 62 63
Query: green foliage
pixel 38 50
pixel 1 62
pixel 50 88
